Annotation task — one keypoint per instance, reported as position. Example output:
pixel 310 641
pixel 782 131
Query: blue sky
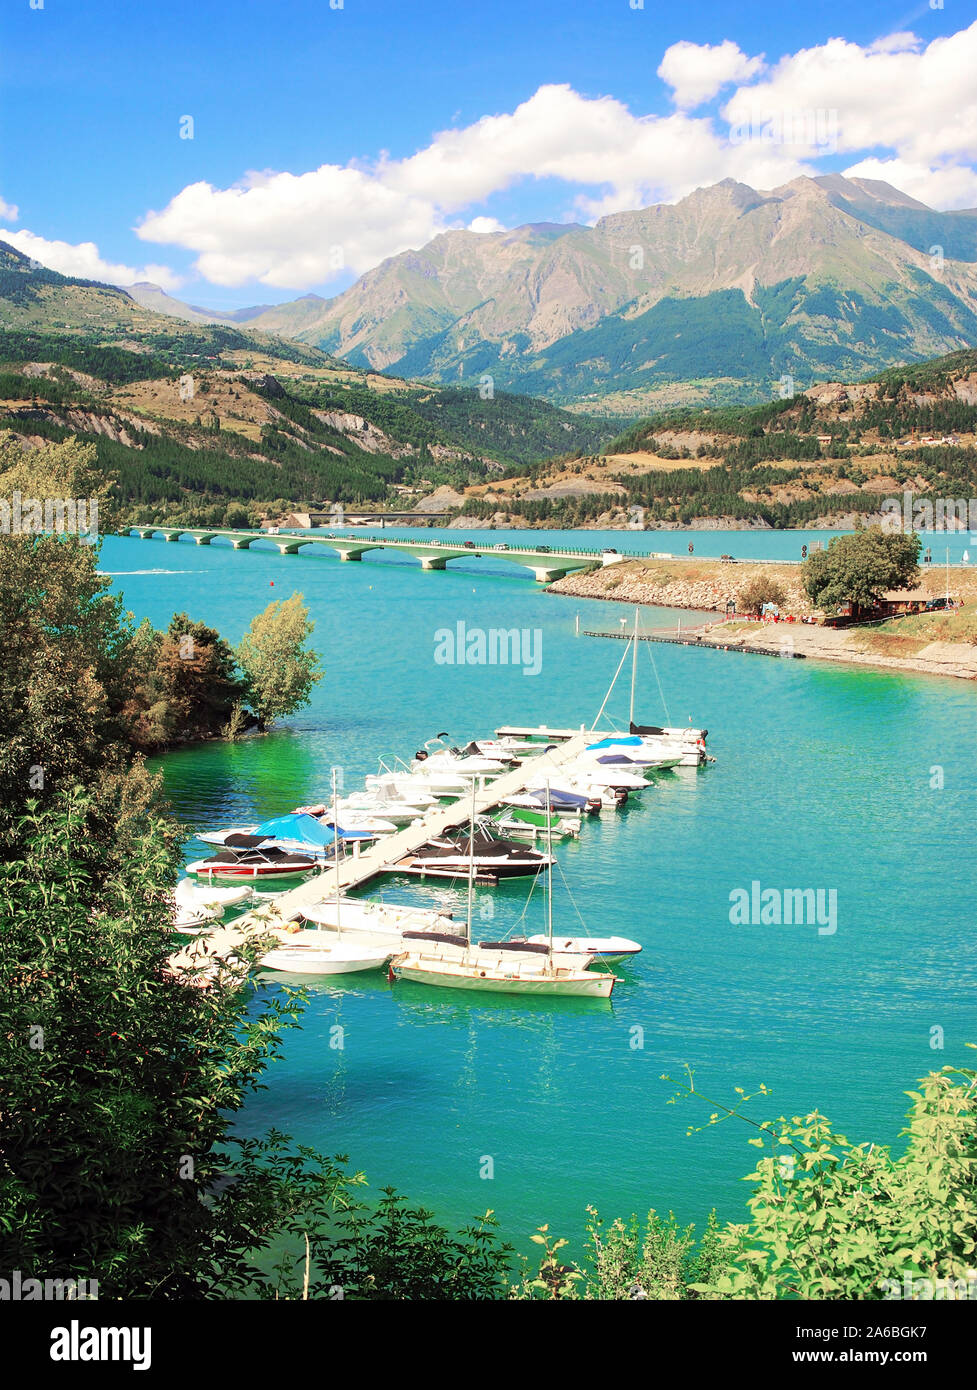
pixel 93 95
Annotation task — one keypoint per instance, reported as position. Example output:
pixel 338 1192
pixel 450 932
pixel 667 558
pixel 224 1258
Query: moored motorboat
pixel 252 863
pixel 457 761
pixel 484 853
pixel 563 800
pixel 192 894
pixel 520 823
pixel 610 949
pixel 190 921
pixel 298 832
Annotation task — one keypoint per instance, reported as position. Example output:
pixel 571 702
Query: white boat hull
pixel 335 960
pixel 609 949
pixel 461 975
pixel 189 894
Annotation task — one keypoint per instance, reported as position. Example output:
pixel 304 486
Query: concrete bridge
pixel 546 565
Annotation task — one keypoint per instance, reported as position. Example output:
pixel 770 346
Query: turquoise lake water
pixel 823 778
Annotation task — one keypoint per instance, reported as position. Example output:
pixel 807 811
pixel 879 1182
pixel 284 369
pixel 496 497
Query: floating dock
pixel 693 641
pixel 382 857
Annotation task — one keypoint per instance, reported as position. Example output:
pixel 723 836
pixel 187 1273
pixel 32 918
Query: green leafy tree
pixel 830 1219
pixel 122 1081
pixel 859 568
pixel 122 1078
pixel 279 668
pixel 64 679
pixel 187 684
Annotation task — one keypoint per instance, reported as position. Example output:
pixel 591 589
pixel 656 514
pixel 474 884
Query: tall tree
pixel 279 667
pixel 187 684
pixel 121 1080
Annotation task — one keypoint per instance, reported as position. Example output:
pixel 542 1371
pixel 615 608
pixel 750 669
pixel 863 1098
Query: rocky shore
pixel 705 585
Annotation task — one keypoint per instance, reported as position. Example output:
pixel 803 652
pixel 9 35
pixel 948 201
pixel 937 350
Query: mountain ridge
pixel 854 260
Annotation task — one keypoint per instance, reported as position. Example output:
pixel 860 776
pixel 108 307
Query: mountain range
pixel 712 299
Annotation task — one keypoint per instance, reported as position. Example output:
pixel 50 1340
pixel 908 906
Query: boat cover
pixel 559 798
pixel 299 828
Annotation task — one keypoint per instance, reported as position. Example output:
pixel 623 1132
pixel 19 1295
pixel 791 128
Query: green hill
pixel 263 421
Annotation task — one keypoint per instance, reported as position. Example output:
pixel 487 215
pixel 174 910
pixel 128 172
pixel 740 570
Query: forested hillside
pixel 194 419
pixel 823 456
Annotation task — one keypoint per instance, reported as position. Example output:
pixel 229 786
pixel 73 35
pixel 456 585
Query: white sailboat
pixel 399 928
pixel 529 970
pixel 658 746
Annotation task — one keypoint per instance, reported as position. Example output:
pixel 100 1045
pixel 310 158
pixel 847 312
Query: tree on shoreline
pixel 279 669
pixel 187 684
pixel 760 590
pixel 859 568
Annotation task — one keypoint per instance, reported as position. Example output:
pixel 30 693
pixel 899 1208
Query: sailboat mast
pixel 549 870
pixel 335 846
pixel 634 667
pixel 471 866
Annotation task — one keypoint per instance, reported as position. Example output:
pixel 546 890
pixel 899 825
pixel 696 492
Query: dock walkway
pixel 382 857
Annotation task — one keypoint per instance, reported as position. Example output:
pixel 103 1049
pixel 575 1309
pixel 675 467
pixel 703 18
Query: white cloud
pixel 292 230
pixel 696 72
pixel 952 187
pixel 902 110
pixel 895 43
pixel 83 260
pixel 921 105
pixel 8 211
pixel 285 230
pixel 484 225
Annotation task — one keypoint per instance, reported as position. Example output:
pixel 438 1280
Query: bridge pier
pixel 172 535
pixel 433 562
pixel 547 575
pixel 346 553
pixel 206 538
pixel 289 547
pixel 242 542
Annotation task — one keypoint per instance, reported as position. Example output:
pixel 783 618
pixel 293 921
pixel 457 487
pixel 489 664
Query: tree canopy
pixel 859 568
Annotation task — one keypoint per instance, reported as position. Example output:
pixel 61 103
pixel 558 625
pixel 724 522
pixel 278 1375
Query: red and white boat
pixel 232 865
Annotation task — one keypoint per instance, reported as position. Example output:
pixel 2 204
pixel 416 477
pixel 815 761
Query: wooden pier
pixel 382 857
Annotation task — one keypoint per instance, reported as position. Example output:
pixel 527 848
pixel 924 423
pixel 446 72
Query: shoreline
pixel 652 584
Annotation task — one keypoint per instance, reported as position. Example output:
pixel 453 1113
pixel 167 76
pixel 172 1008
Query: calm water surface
pixel 824 778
